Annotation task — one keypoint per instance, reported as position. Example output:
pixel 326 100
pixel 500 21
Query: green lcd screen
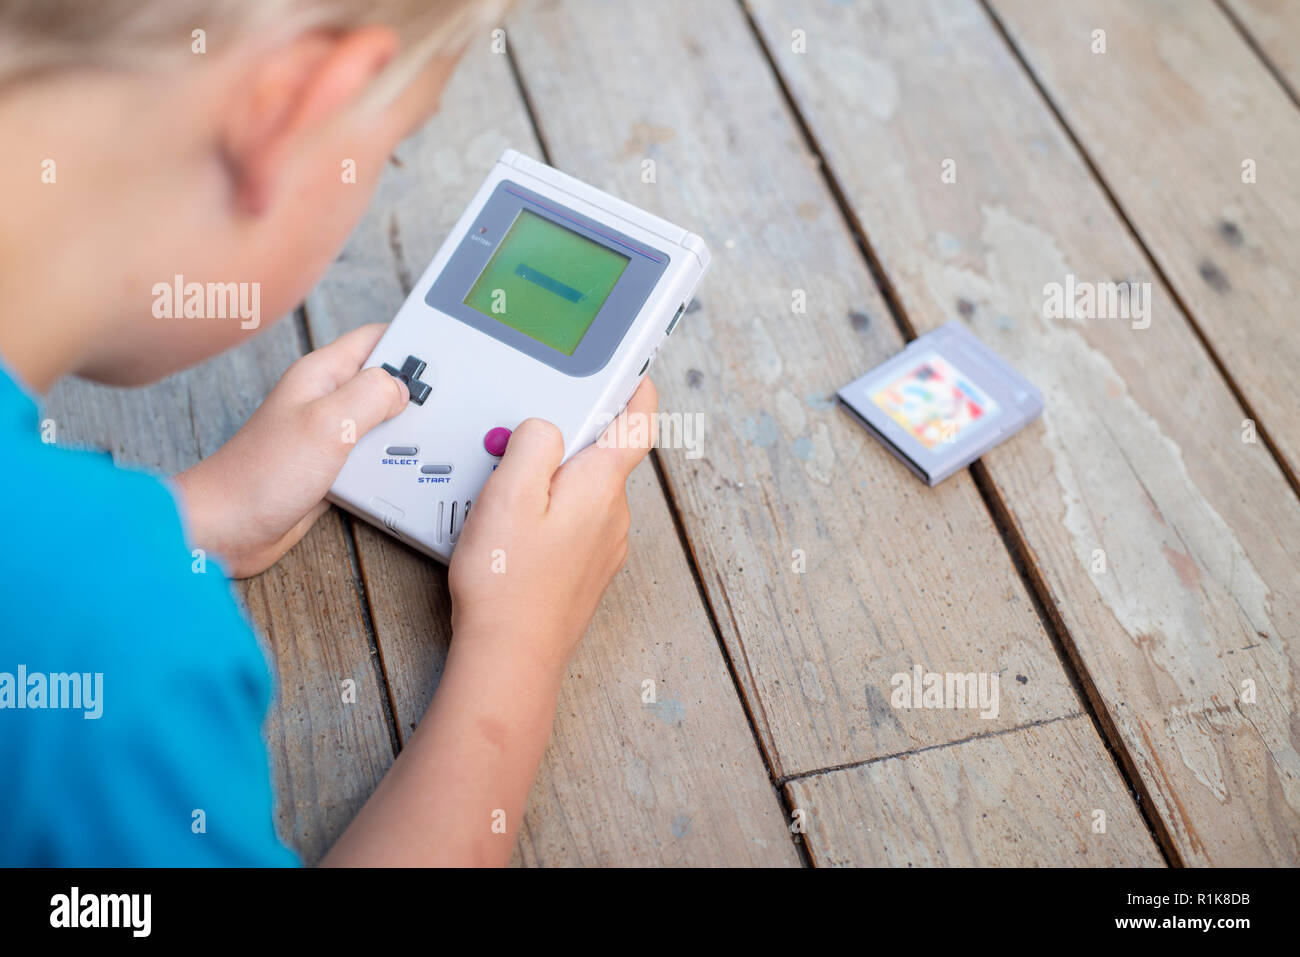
pixel 546 281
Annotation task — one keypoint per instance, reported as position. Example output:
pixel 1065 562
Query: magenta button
pixel 495 441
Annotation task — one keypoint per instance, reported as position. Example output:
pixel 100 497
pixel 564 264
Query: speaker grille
pixel 450 520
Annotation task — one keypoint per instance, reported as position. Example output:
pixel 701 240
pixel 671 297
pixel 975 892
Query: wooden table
pixel 1129 565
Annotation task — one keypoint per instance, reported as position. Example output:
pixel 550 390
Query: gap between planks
pixel 372 635
pixel 1021 555
pixel 867 762
pixel 782 796
pixel 303 328
pixel 1261 55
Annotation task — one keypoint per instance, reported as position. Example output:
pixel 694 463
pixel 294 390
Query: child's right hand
pixel 539 548
pixel 542 543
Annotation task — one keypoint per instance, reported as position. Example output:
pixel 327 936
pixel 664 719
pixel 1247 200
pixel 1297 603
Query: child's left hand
pixel 256 496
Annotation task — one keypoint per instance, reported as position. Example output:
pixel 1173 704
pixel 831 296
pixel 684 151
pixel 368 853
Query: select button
pixel 403 449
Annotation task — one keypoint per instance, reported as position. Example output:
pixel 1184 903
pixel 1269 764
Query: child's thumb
pixel 368 398
pixel 531 457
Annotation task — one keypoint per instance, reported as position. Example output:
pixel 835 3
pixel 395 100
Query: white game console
pixel 549 299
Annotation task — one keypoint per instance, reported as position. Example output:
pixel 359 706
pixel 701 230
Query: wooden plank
pixel 929 810
pixel 1138 459
pixel 1205 105
pixel 1274 27
pixel 622 782
pixel 326 756
pixel 782 468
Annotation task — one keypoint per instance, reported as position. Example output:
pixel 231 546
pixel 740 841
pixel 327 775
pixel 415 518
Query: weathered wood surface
pixel 896 574
pixel 1138 461
pixel 828 568
pixel 1274 27
pixel 1170 114
pixel 680 781
pixel 927 809
pixel 327 756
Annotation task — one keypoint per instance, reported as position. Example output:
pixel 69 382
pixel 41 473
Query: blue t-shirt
pixel 143 688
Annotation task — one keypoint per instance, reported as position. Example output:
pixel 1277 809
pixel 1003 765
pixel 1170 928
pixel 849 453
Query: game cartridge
pixel 942 402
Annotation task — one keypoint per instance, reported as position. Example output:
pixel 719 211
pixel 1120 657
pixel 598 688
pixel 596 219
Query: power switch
pixel 673 325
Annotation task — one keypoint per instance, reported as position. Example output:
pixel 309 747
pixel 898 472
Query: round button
pixel 495 441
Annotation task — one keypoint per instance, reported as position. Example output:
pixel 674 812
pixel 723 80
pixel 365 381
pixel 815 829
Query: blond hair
pixel 47 35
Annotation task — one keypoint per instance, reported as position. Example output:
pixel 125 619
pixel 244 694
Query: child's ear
pixel 288 94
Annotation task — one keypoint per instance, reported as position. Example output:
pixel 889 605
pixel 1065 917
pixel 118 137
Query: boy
pixel 224 167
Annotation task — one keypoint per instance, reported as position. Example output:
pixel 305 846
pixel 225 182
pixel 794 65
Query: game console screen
pixel 546 281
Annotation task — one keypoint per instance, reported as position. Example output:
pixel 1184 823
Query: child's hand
pixel 256 496
pixel 541 544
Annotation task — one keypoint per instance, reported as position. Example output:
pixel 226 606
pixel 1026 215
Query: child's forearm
pixel 456 794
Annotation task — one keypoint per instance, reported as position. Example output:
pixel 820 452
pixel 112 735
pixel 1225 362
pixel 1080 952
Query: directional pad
pixel 410 373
